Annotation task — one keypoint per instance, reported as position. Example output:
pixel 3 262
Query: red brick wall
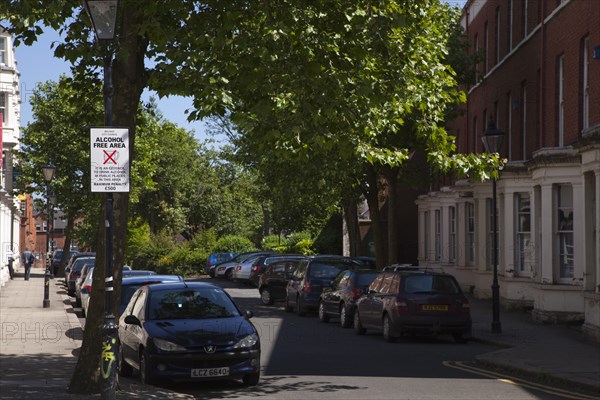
pixel 533 66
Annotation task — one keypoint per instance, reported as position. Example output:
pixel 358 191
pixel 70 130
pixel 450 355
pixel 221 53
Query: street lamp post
pixel 492 141
pixel 103 14
pixel 48 172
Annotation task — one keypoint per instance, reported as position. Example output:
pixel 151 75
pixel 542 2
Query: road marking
pixel 518 381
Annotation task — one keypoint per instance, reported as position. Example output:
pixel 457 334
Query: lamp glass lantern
pixel 492 138
pixel 103 14
pixel 48 171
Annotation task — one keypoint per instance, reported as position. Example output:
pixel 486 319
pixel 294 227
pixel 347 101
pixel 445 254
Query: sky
pixel 37 64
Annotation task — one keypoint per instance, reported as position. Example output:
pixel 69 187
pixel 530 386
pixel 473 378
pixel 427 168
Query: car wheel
pixel 265 297
pixel 77 301
pixel 83 311
pixel 211 273
pixel 251 379
pixel 125 370
pixel 229 275
pixel 345 320
pixel 299 311
pixel 387 329
pixel 322 316
pixel 144 369
pixel 288 307
pixel 358 328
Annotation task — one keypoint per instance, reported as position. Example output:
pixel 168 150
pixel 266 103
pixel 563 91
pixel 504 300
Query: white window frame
pixel 509 127
pixel 565 245
pixel 523 249
pixel 3 50
pixel 510 26
pixel 470 233
pixel 585 106
pixel 524 122
pixel 498 31
pixel 452 234
pixel 561 101
pixel 3 107
pixel 438 235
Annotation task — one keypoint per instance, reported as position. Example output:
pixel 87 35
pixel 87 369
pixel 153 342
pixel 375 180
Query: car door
pixel 332 295
pixel 133 334
pixel 365 305
pixel 293 285
pixel 276 280
pixel 379 300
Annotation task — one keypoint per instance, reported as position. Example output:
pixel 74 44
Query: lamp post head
pixel 492 138
pixel 48 171
pixel 103 14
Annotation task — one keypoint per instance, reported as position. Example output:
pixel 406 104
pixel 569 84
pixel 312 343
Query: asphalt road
pixel 303 358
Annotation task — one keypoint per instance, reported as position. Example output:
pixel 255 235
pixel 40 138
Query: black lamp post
pixel 103 14
pixel 492 141
pixel 48 172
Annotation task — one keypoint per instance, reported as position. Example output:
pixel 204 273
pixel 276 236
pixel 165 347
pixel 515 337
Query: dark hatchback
pixel 273 282
pixel 339 300
pixel 261 264
pixel 187 331
pixel 415 302
pixel 304 288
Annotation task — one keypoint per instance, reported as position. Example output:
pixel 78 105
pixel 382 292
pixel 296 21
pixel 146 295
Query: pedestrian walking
pixel 10 259
pixel 28 260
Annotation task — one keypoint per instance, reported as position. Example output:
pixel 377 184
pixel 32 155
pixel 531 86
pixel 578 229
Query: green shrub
pixel 149 255
pixel 304 246
pixel 183 261
pixel 238 244
pixel 274 243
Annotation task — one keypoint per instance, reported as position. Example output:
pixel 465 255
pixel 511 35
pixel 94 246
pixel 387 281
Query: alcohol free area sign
pixel 109 157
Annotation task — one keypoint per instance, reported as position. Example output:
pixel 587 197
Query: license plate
pixel 208 372
pixel 434 307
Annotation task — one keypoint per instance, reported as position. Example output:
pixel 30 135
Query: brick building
pixel 540 82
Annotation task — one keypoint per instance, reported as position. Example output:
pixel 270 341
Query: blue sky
pixel 37 64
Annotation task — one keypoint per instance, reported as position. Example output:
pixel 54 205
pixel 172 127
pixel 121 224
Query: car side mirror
pixel 132 320
pixel 248 314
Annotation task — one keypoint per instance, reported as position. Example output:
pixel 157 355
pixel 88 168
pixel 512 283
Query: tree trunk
pixel 392 220
pixel 353 228
pixel 129 79
pixel 372 195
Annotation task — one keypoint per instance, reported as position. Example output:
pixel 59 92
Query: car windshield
pixel 326 271
pixel 365 279
pixel 430 284
pixel 80 262
pixel 191 303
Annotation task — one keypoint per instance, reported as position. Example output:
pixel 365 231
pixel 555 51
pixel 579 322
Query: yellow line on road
pixel 518 381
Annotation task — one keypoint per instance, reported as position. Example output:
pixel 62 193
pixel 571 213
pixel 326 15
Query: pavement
pixel 38 346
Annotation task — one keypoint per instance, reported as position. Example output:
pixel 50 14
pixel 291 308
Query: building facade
pixel 10 103
pixel 539 80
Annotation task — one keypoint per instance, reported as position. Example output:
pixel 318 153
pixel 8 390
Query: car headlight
pixel 165 345
pixel 247 341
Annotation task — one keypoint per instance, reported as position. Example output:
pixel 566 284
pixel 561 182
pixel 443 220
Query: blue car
pixel 190 331
pixel 216 259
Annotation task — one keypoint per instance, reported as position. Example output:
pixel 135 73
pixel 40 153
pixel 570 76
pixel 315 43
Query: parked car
pixel 144 276
pixel 339 300
pixel 273 282
pixel 56 258
pixel 304 288
pixel 261 264
pixel 225 270
pixel 216 259
pixel 188 331
pixel 74 272
pixel 137 272
pixel 241 272
pixel 79 281
pixel 417 302
pixel 367 262
pixel 72 260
